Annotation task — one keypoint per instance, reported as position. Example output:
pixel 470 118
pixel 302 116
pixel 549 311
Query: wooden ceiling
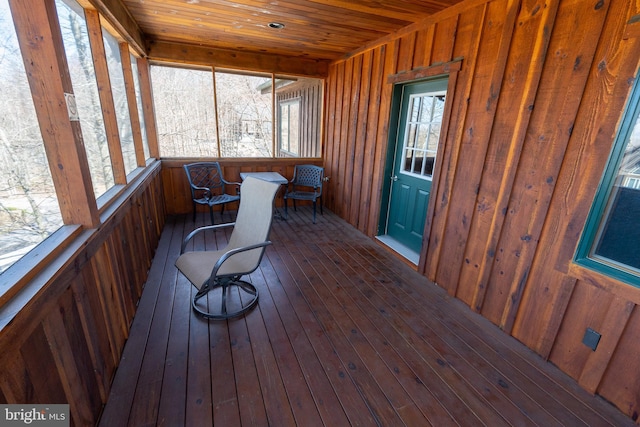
pixel 321 30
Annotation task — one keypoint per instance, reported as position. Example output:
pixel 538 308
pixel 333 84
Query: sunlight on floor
pixel 389 241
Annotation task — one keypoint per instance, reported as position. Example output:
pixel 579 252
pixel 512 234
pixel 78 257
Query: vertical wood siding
pixel 536 105
pixel 65 345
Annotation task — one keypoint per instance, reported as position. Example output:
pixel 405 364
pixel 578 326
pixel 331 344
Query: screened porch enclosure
pixel 518 304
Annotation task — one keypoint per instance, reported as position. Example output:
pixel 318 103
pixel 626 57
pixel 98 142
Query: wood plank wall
pixel 64 345
pixel 536 104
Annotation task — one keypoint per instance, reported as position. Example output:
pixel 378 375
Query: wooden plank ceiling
pixel 313 29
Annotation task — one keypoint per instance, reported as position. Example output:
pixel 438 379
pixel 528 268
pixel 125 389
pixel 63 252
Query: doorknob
pixel 394 178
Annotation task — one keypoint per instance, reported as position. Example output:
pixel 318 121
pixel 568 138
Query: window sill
pixel 602 281
pixel 31 274
pixel 24 279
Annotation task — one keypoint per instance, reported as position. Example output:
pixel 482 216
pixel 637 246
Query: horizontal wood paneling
pixel 221 58
pixel 64 345
pixel 536 103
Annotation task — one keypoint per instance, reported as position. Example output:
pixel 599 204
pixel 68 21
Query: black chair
pixel 208 186
pixel 305 179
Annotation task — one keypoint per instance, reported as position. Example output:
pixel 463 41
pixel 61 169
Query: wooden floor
pixel 344 334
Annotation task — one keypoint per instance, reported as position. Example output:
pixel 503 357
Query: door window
pixel 422 133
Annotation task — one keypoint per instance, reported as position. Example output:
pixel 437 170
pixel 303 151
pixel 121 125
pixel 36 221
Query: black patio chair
pixel 208 186
pixel 305 185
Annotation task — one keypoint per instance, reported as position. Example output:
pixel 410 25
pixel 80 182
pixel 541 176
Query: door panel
pixel 416 145
pixel 420 213
pixel 400 218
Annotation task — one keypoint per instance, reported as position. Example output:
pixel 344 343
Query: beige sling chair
pixel 217 274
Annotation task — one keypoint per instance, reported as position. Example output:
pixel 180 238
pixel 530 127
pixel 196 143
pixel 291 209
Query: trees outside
pixel 185 116
pixel 143 127
pixel 77 48
pixel 119 93
pixel 245 115
pixel 191 121
pixel 29 209
pixel 189 125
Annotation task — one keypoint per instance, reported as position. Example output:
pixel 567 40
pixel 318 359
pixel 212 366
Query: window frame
pixel 84 213
pixel 159 124
pixel 29 191
pixel 275 111
pixel 408 134
pixel 600 206
pixel 116 60
pixel 288 103
pixel 223 125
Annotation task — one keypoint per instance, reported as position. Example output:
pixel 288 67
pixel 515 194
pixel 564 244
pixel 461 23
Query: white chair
pixel 217 274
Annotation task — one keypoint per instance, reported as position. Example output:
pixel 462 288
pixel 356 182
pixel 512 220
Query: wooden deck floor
pixel 344 334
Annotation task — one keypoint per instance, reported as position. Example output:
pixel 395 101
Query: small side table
pixel 266 176
pixel 274 177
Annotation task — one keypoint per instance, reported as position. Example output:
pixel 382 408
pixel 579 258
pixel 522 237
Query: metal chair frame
pixel 208 187
pixel 218 273
pixel 306 176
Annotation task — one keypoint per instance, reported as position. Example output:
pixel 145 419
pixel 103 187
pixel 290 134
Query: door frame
pixel 447 70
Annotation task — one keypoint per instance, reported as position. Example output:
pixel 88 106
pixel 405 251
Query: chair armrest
pixel 207 191
pixel 237 184
pixel 195 187
pixel 233 252
pixel 200 229
pixel 232 182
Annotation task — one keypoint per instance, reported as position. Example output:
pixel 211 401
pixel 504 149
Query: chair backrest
pixel 204 175
pixel 308 176
pixel 253 222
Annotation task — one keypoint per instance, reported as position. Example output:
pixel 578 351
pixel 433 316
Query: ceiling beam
pixel 118 17
pixel 251 61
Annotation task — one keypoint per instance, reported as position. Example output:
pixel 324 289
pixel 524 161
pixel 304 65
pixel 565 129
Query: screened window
pixel 76 45
pixel 119 92
pixel 299 102
pixel 143 128
pixel 185 114
pixel 289 122
pixel 29 210
pixel 244 115
pixel 611 241
pixel 238 120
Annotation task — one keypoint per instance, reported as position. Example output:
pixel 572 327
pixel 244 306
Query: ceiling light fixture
pixel 276 25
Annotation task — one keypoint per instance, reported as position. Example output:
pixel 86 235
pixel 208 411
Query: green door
pixel 416 147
